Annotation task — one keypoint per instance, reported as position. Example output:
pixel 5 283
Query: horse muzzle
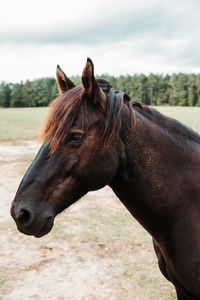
pixel 37 222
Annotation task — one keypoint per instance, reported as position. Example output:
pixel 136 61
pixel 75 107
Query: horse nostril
pixel 24 217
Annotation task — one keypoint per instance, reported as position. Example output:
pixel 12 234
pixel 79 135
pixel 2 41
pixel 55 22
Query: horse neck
pixel 151 163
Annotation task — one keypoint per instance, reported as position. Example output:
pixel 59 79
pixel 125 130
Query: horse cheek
pixel 100 171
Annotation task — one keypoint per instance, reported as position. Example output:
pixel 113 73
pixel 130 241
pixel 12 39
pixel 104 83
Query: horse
pixel 95 136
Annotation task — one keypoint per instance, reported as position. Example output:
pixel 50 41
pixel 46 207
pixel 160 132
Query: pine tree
pixel 17 95
pixel 27 94
pixel 198 89
pixel 5 91
pixel 192 97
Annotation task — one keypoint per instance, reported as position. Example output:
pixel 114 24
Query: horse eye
pixel 75 137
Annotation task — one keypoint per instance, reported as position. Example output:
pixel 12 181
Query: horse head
pixel 78 153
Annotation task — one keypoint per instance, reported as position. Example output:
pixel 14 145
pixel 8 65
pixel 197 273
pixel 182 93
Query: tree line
pixel 176 89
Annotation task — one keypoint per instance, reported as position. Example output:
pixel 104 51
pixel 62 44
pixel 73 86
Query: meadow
pixel 24 123
pixel 20 123
pixel 96 250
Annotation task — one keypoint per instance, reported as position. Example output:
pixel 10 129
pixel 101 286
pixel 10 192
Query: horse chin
pixel 45 228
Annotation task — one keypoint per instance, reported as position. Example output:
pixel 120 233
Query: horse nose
pixel 24 217
pixel 21 215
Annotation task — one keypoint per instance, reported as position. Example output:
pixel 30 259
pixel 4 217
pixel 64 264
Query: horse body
pixel 159 185
pixel 95 136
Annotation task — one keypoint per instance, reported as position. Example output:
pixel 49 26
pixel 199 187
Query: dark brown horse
pixel 95 136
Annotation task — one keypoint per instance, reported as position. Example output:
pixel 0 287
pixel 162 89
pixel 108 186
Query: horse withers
pixel 95 136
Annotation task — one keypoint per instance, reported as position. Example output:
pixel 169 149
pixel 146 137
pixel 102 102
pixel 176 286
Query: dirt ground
pixel 96 250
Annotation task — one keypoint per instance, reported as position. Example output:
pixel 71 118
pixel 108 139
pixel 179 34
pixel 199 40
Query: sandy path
pixel 95 251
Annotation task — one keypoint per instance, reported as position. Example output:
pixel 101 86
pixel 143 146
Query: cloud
pixel 106 23
pixel 127 37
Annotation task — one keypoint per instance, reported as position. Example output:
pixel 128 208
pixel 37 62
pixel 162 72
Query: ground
pixel 96 250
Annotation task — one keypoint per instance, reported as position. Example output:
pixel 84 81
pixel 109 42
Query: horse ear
pixel 64 83
pixel 89 81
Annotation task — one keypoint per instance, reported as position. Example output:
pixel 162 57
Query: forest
pixel 175 90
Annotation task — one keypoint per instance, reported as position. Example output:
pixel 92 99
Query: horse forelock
pixel 64 110
pixel 61 116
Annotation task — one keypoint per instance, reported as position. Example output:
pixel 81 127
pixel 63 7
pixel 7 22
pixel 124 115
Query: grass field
pixel 189 116
pixel 24 123
pixel 20 123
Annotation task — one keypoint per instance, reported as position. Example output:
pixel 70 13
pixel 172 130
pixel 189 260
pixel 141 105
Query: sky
pixel 121 37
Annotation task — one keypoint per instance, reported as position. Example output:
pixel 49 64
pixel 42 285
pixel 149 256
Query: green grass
pixel 189 116
pixel 24 123
pixel 20 123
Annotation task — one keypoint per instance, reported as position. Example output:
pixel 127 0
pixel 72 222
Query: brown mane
pixel 176 129
pixel 64 110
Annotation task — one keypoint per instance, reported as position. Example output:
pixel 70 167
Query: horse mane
pixel 170 125
pixel 63 112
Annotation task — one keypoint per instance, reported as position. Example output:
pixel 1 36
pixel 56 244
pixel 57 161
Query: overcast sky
pixel 120 36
